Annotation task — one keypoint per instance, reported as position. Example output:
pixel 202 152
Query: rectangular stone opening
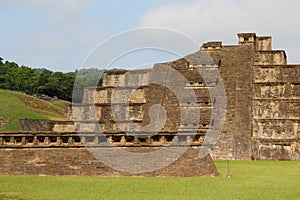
pixel 169 138
pixel 102 139
pixel 41 139
pixel 6 139
pixel 155 138
pixel 129 139
pixel 90 139
pixel 197 138
pixel 142 139
pixel 76 139
pixel 52 139
pixel 116 138
pixel 30 139
pixel 18 139
pixel 181 138
pixel 65 139
pixel 206 102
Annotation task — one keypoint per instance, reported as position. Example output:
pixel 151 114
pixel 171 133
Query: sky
pixel 60 34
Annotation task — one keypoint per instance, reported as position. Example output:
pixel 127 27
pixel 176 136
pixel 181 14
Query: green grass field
pixel 14 106
pixel 250 180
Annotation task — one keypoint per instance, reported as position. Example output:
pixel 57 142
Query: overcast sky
pixel 59 34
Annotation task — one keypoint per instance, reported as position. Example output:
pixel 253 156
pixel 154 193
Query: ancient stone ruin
pixel 144 111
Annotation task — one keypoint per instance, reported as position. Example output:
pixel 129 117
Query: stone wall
pixel 32 125
pixel 236 71
pixel 263 43
pixel 78 161
pixel 257 81
pixel 135 92
pixel 276 112
pixel 53 153
pixel 262 98
pixel 262 115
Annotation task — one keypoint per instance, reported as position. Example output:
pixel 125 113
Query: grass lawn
pixel 250 180
pixel 14 106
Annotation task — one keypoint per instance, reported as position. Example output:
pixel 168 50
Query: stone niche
pixel 263 43
pixel 246 38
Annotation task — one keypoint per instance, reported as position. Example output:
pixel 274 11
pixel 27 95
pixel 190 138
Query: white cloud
pixel 221 20
pixel 191 18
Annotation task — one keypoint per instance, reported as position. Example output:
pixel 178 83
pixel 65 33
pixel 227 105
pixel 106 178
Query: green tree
pixel 43 81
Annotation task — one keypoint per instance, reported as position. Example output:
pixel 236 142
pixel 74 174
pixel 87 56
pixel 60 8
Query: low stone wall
pixel 78 161
pixel 46 125
pixel 34 125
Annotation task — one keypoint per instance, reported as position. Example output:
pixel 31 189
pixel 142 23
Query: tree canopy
pixel 43 81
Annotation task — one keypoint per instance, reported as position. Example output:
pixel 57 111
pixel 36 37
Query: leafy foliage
pixel 43 81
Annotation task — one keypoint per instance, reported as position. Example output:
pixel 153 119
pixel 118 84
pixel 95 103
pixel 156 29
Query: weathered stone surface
pixel 262 114
pixel 46 125
pixel 78 161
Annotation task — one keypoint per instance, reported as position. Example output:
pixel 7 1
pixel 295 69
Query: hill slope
pixel 14 106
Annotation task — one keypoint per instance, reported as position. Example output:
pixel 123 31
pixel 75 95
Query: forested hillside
pixel 43 81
